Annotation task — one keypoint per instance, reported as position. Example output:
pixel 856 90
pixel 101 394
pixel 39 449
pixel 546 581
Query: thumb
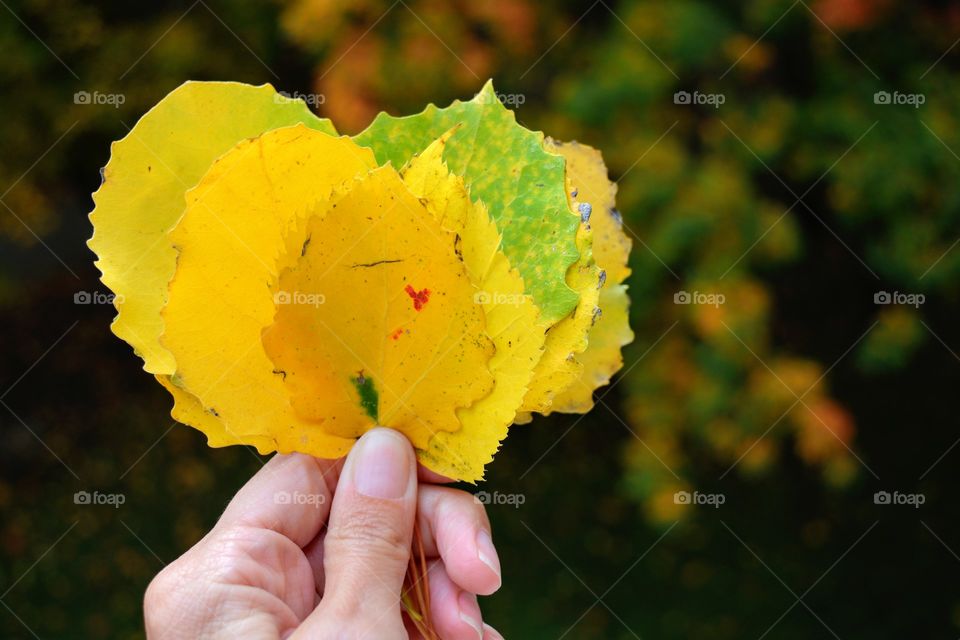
pixel 367 546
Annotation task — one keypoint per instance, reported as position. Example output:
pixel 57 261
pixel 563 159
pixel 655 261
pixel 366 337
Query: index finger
pixel 291 495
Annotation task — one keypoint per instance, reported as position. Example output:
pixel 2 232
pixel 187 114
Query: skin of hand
pixel 312 548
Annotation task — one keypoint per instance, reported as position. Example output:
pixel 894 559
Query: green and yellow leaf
pixel 292 289
pixel 506 167
pixel 511 316
pixel 565 341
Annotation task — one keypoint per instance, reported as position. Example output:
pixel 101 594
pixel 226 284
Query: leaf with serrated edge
pixel 587 179
pixel 559 367
pixel 512 318
pixel 142 194
pixel 230 242
pixel 505 166
pixel 382 327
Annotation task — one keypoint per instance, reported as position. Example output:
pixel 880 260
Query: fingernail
pixel 491 633
pixel 488 553
pixel 381 465
pixel 470 612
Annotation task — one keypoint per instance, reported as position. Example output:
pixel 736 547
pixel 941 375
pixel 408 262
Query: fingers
pixel 289 495
pixel 367 544
pixel 455 612
pixel 455 526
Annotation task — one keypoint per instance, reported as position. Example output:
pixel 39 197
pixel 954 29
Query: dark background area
pixel 799 198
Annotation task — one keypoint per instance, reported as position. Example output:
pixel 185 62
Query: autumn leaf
pixel 513 320
pixel 507 168
pixel 588 184
pixel 408 351
pixel 142 194
pixel 229 244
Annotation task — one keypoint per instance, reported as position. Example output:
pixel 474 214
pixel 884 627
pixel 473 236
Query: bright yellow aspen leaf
pixel 587 182
pixel 229 242
pixel 511 316
pixel 377 322
pixel 142 194
pixel 188 410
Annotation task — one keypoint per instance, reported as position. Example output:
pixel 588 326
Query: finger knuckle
pixel 235 554
pixel 371 529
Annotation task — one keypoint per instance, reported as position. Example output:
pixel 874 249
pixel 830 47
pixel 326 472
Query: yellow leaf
pixel 602 357
pixel 559 367
pixel 378 323
pixel 230 241
pixel 142 194
pixel 511 316
pixel 586 177
pixel 188 410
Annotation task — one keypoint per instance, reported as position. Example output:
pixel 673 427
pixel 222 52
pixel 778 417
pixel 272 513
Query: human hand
pixel 329 560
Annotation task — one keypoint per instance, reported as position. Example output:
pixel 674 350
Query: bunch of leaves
pixel 292 288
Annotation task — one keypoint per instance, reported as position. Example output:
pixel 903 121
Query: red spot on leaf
pixel 396 334
pixel 420 298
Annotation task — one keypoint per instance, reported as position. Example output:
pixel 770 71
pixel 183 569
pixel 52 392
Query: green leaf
pixel 507 167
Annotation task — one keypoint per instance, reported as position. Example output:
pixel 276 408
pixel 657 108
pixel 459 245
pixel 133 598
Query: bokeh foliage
pixel 797 199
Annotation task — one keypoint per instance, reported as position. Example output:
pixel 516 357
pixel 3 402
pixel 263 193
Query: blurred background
pixel 778 457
